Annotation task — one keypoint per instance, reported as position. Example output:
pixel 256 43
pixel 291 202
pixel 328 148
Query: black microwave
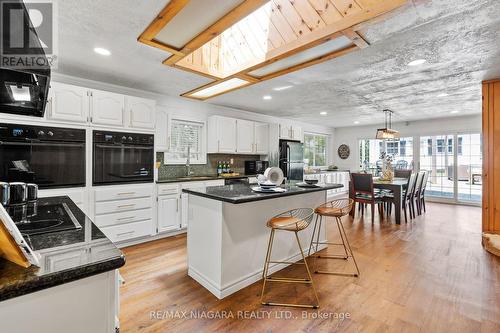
pixel 255 167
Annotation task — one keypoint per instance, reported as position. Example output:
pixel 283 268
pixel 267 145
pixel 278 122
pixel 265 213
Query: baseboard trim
pixel 230 288
pixel 149 238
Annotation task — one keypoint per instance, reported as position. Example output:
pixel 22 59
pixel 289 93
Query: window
pixel 371 149
pixel 315 150
pixel 186 136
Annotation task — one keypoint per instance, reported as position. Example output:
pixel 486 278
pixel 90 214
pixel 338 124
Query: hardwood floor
pixel 431 275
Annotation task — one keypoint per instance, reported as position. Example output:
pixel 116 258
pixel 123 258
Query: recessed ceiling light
pixel 282 88
pixel 101 51
pixel 267 97
pixel 417 62
pixel 356 122
pixel 454 111
pixel 324 113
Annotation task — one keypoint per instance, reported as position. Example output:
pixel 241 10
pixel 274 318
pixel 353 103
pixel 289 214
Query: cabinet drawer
pixel 168 189
pixel 122 205
pixel 193 185
pixel 125 193
pixel 123 217
pixel 123 232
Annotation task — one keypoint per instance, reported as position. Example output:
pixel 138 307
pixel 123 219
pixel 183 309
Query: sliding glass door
pixel 437 157
pixel 455 165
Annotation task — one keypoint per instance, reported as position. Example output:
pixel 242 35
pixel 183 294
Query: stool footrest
pixel 329 256
pixel 286 262
pixel 335 273
pixel 288 280
pixel 327 243
pixel 292 305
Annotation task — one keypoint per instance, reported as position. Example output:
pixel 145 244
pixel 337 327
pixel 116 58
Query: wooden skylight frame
pixel 329 20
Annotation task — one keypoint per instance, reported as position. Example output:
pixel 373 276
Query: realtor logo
pixel 28 34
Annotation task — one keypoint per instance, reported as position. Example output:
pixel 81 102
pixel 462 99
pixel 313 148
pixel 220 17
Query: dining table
pixel 397 186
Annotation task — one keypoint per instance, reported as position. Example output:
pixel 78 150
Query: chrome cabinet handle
pixel 126 193
pixel 126 218
pixel 125 233
pixel 126 206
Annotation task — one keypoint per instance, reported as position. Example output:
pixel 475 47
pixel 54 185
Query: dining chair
pixel 421 193
pixel 363 193
pixel 408 198
pixel 416 194
pixel 402 173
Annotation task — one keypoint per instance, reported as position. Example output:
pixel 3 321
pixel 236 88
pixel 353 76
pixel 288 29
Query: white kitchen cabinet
pixel 168 213
pixel 297 133
pixel 245 136
pixel 221 135
pixel 124 212
pixel 261 146
pixel 285 132
pixel 162 134
pixel 68 103
pixel 289 132
pixel 141 112
pixel 107 108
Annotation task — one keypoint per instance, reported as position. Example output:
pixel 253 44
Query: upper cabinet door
pixel 245 136
pixel 162 137
pixel 107 108
pixel 297 134
pixel 262 138
pixel 285 132
pixel 142 112
pixel 68 103
pixel 226 135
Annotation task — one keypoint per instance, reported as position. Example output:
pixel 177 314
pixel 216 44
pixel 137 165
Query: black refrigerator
pixel 292 159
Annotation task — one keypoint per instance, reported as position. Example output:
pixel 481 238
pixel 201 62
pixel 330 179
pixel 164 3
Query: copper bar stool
pixel 294 220
pixel 337 209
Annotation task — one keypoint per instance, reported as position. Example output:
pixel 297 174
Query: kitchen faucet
pixel 188 163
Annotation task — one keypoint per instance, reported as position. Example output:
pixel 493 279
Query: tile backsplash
pixel 175 171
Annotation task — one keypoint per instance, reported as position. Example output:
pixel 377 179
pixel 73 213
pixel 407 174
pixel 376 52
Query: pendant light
pixel 387 133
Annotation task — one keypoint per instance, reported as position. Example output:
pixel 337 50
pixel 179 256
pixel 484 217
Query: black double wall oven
pixel 51 157
pixel 120 158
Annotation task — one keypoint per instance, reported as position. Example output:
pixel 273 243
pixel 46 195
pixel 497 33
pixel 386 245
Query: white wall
pixel 352 135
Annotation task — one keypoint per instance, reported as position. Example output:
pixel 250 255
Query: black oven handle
pixel 28 143
pixel 123 147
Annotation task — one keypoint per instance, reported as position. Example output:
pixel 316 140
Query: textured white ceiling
pixel 459 38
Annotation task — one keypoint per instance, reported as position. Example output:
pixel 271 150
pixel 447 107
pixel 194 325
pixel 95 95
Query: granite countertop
pixel 97 254
pixel 242 193
pixel 199 178
pixel 325 171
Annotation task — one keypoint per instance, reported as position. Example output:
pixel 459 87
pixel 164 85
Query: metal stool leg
pixel 339 222
pixel 347 249
pixel 307 280
pixel 312 238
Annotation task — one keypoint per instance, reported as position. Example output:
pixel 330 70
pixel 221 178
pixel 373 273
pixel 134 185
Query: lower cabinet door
pixel 168 213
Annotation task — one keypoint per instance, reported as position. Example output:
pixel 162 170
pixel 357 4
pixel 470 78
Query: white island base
pixel 227 242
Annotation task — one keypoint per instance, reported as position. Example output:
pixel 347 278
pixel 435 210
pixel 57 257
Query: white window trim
pixel 203 149
pixel 328 146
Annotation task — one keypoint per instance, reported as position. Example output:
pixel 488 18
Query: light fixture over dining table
pixel 387 133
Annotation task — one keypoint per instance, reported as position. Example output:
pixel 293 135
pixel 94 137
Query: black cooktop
pixel 43 216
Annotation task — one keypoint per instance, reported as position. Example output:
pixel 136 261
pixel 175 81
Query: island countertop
pixel 242 193
pixel 96 253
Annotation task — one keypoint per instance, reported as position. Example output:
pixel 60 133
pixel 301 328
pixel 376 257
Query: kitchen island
pixel 75 289
pixel 227 236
